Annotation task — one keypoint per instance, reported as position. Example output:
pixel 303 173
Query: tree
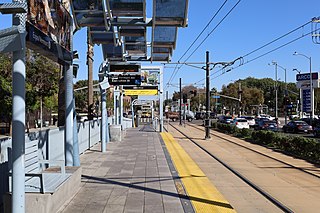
pixel 5 88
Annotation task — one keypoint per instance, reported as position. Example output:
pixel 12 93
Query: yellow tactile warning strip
pixel 203 195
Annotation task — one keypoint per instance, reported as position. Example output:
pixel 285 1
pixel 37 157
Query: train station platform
pixel 145 172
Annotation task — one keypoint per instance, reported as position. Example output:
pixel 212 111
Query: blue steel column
pixel 18 119
pixel 161 99
pixel 104 121
pixel 68 77
pixel 76 155
pixel 121 107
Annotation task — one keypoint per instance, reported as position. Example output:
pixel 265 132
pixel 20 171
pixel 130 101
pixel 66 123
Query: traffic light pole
pixel 207 121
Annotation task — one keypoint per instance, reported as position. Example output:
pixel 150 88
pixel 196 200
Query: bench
pixel 41 177
pixel 48 184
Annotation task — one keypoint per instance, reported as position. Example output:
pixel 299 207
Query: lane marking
pixel 203 194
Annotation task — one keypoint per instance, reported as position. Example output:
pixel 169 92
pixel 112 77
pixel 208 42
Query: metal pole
pixel 68 77
pixel 132 113
pixel 311 91
pixel 286 95
pixel 103 120
pixel 161 99
pixel 121 107
pixel 76 154
pixel 180 108
pixel 207 121
pixel 18 123
pixel 276 91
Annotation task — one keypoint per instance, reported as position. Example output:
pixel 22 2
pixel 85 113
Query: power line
pixel 275 49
pixel 267 44
pixel 209 34
pixel 176 70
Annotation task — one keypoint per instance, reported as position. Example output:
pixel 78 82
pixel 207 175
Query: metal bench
pixel 42 176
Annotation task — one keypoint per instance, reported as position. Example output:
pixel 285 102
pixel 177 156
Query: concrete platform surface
pixel 132 176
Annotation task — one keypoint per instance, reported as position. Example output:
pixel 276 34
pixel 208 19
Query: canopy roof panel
pixel 121 26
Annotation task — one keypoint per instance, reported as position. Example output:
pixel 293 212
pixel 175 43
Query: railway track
pixel 283 207
pixel 260 153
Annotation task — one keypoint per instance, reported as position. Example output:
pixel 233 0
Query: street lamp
pixel 286 91
pixel 276 87
pixel 311 87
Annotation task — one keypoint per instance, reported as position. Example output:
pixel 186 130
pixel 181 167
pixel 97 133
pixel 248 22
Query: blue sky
pixel 252 24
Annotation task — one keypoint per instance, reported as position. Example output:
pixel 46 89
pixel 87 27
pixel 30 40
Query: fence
pixel 51 147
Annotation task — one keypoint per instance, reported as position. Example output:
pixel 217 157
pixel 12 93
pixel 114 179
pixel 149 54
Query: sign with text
pixel 306 76
pixel 124 79
pixel 48 26
pixel 141 92
pixel 125 68
pixel 306 100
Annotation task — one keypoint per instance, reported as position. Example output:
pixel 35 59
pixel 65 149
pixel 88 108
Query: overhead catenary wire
pixel 267 44
pixel 176 70
pixel 199 45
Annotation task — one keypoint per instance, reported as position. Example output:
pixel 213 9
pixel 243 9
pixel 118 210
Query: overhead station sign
pixel 124 68
pixel 124 79
pixel 140 92
pixel 49 29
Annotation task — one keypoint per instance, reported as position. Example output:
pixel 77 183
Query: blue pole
pixel 104 121
pixel 18 118
pixel 68 77
pixel 76 154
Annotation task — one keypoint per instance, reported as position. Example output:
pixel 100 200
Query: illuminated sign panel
pixel 123 68
pixel 124 79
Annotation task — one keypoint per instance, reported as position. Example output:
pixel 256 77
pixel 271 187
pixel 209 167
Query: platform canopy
pixel 121 27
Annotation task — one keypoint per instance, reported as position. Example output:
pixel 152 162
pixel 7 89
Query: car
pixel 250 120
pixel 200 115
pixel 189 116
pixel 297 127
pixel 266 124
pixel 266 116
pixel 241 123
pixel 316 131
pixel 225 119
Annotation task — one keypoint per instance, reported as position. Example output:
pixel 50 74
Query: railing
pixel 51 147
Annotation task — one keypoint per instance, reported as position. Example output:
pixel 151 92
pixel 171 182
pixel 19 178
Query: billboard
pixel 48 27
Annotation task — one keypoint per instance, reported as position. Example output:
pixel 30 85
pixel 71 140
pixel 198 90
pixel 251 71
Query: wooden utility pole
pixel 90 78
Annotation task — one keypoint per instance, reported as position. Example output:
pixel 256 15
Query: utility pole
pixel 180 109
pixel 90 78
pixel 207 121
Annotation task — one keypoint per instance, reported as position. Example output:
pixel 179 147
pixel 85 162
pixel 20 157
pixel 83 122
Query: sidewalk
pixel 132 176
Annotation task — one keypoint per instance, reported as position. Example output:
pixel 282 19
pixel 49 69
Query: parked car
pixel 250 120
pixel 200 115
pixel 240 123
pixel 265 124
pixel 266 116
pixel 189 115
pixel 316 131
pixel 225 119
pixel 297 126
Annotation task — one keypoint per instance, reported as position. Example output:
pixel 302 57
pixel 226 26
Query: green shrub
pixel 306 148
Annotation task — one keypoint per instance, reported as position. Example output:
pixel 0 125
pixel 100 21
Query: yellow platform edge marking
pixel 203 195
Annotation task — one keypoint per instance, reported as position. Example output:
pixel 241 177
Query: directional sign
pixel 216 96
pixel 124 79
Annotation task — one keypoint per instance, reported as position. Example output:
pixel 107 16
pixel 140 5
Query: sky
pixel 249 26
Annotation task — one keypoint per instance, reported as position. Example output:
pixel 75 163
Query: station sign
pixel 216 96
pixel 306 76
pixel 49 30
pixel 124 68
pixel 131 92
pixel 124 79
